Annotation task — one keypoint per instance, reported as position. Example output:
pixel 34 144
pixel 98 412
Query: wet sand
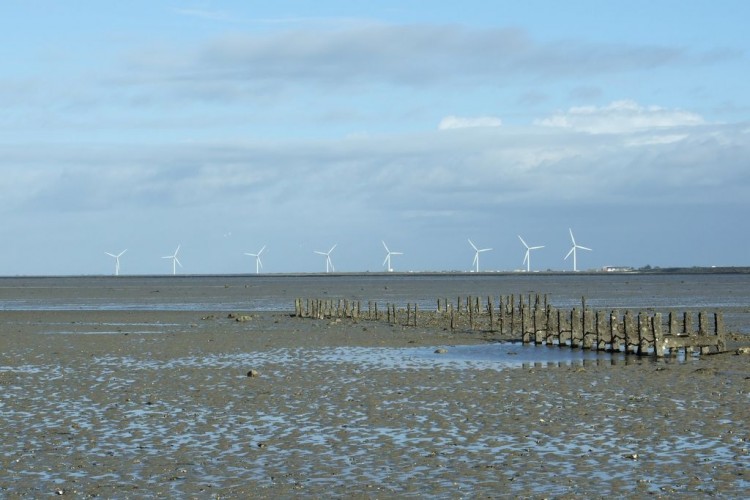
pixel 133 404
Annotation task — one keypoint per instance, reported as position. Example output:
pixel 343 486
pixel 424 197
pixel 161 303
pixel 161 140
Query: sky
pixel 228 126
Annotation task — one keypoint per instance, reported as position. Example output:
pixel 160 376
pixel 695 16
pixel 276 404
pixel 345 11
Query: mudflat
pixel 124 404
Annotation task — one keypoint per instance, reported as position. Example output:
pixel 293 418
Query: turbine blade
pixel 570 252
pixel 385 246
pixel 536 248
pixel 472 244
pixel 526 257
pixel 386 259
pixel 331 250
pixel 178 261
pixel 584 248
pixel 121 253
pixel 319 252
pixel 524 243
pixel 571 236
pixel 261 250
pixel 111 254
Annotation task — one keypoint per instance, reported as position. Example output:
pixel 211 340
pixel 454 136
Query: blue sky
pixel 224 126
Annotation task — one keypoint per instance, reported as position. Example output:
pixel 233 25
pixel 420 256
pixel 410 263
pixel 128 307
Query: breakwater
pixel 532 319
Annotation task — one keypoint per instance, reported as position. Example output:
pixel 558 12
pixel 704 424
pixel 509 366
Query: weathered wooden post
pixel 415 314
pixel 524 325
pixel 602 331
pixel 673 323
pixel 719 331
pixel 614 330
pixel 471 316
pixel 589 334
pixel 492 315
pixel 576 336
pixel 631 335
pixel 687 323
pixel 453 319
pixel 408 313
pixel 563 333
pixel 644 332
pixel 551 327
pixel 658 337
pixel 703 330
pixel 540 322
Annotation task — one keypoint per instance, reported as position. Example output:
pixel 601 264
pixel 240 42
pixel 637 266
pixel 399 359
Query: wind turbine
pixel 329 263
pixel 388 257
pixel 258 263
pixel 573 250
pixel 476 254
pixel 527 257
pixel 175 260
pixel 117 260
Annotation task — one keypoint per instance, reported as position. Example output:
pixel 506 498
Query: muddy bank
pixel 155 403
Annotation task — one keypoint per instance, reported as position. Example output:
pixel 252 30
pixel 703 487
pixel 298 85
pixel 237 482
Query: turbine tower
pixel 258 263
pixel 117 260
pixel 573 250
pixel 329 262
pixel 387 261
pixel 175 260
pixel 527 257
pixel 477 251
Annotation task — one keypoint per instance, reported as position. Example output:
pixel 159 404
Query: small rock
pixel 631 456
pixel 743 350
pixel 441 350
pixel 253 373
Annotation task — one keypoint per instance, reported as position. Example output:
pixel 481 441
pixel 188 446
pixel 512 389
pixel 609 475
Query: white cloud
pixel 620 117
pixel 450 122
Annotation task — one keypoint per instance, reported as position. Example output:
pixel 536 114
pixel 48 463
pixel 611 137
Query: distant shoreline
pixel 593 272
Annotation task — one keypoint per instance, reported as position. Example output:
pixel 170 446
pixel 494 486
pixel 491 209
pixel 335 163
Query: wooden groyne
pixel 533 320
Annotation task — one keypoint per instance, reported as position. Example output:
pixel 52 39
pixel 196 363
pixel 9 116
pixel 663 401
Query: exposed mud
pixel 154 403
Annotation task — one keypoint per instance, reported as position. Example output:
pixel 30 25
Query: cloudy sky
pixel 224 126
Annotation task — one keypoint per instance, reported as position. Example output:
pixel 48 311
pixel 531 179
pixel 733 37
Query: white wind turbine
pixel 258 263
pixel 329 262
pixel 387 261
pixel 175 260
pixel 573 250
pixel 477 251
pixel 117 260
pixel 527 257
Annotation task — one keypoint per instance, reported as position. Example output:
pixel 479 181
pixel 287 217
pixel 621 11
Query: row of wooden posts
pixel 532 319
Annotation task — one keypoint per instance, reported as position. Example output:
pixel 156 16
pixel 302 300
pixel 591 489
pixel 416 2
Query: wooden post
pixel 673 323
pixel 644 332
pixel 687 323
pixel 471 316
pixel 589 334
pixel 575 328
pixel 492 317
pixel 524 325
pixel 540 321
pixel 415 314
pixel 551 327
pixel 658 337
pixel 603 337
pixel 614 330
pixel 719 331
pixel 631 335
pixel 563 329
pixel 453 320
pixel 408 313
pixel 703 329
